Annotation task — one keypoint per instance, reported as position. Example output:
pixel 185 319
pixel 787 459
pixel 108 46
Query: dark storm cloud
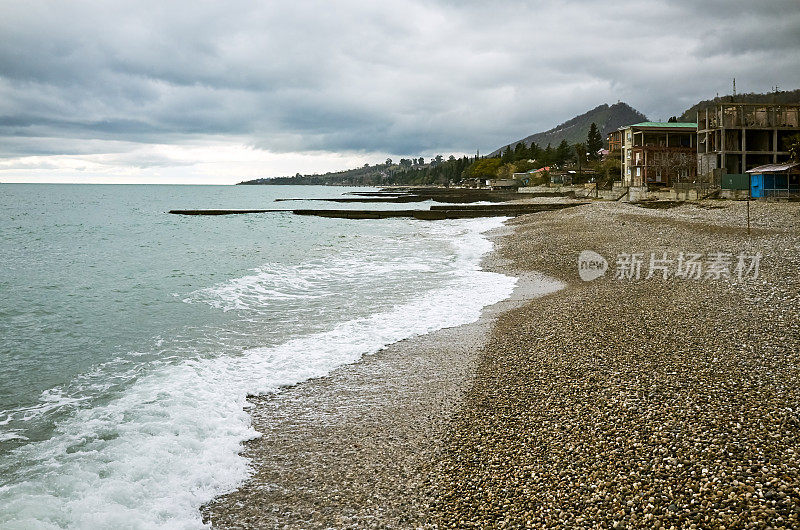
pixel 402 77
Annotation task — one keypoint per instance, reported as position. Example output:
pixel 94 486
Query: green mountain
pixel 780 97
pixel 608 118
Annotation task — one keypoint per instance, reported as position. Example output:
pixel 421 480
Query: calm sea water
pixel 130 338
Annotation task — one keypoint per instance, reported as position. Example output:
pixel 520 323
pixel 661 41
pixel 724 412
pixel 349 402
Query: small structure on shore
pixel 775 180
pixel 528 177
pixel 504 184
pixel 561 177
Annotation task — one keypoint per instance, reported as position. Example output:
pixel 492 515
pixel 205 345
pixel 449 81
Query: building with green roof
pixel 658 154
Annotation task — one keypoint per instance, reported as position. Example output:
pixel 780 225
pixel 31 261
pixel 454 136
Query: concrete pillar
pixel 775 147
pixel 644 165
pixel 744 151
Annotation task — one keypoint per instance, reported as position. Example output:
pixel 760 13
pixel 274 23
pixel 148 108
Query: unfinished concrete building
pixel 735 137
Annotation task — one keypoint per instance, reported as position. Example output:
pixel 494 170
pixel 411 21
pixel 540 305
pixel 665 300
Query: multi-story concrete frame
pixel 736 137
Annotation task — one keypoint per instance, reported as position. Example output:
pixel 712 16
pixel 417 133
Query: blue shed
pixel 775 180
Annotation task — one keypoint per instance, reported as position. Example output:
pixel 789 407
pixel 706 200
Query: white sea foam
pixel 13 434
pixel 151 457
pixel 310 280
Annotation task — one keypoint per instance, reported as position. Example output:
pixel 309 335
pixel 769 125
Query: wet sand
pixel 355 449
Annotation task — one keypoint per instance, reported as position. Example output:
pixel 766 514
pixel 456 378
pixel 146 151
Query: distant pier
pixel 460 204
pixel 434 213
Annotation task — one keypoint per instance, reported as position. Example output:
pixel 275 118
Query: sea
pixel 130 338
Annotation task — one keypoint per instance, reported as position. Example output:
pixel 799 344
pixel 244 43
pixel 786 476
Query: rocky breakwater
pixel 432 214
pixel 443 212
pixel 408 195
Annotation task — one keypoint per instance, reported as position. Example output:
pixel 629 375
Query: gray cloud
pixel 404 77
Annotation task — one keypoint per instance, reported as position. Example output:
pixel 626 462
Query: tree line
pixel 440 171
pixel 523 158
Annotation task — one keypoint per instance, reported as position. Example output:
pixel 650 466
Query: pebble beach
pixel 617 402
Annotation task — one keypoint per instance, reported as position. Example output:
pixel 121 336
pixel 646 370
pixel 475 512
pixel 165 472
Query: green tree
pixel 506 171
pixel 388 161
pixel 534 151
pixel 524 165
pixel 580 152
pixel 520 152
pixel 612 170
pixel 484 168
pixel 549 155
pixel 563 153
pixel 508 156
pixel 594 141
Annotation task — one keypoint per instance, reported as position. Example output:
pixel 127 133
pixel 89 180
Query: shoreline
pixel 354 447
pixel 608 403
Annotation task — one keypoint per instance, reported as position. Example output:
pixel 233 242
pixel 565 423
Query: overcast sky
pixel 216 92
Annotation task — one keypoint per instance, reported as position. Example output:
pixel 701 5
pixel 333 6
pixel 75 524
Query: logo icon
pixel 591 265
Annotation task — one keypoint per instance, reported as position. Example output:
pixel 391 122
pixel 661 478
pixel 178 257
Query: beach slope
pixel 625 402
pixel 637 403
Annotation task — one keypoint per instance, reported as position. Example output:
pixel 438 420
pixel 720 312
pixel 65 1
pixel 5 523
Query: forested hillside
pixel 785 97
pixel 608 118
pixel 406 172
